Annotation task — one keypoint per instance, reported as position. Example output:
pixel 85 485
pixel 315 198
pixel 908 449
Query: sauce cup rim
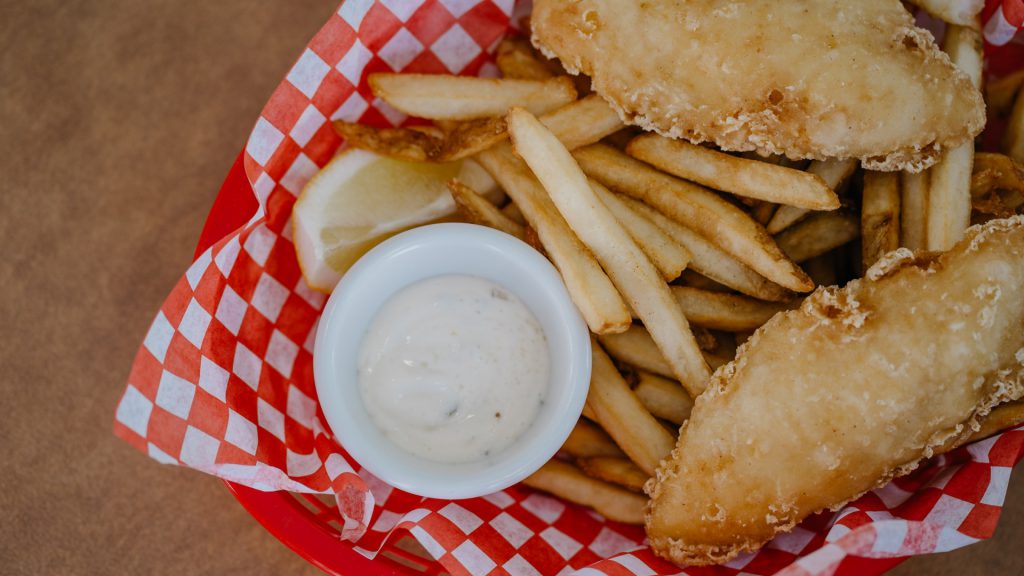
pixel 426 252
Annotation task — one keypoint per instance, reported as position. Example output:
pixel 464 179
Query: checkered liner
pixel 224 381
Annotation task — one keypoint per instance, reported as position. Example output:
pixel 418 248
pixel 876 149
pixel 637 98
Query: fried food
pixel 903 360
pixel 949 195
pixel 728 173
pixel 444 97
pixel 698 208
pixel 636 278
pixel 567 481
pixel 830 79
pixel 818 235
pixel 914 209
pixel 475 208
pixel 879 216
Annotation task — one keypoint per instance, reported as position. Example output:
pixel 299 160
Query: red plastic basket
pixel 310 524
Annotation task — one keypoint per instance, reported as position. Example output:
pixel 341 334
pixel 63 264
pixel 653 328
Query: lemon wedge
pixel 360 199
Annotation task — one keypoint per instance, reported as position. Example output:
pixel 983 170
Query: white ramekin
pixel 433 251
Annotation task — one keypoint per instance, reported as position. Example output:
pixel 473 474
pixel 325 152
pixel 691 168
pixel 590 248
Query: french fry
pixel 665 253
pixel 722 311
pixel 710 260
pixel 466 139
pixel 1002 417
pixel 444 97
pixel 618 471
pixel 695 279
pixel 630 270
pixel 949 197
pixel 399 143
pixel 582 122
pixel 587 440
pixel 721 171
pixel 568 482
pixel 517 59
pixel 879 216
pixel 1001 92
pixel 997 179
pixel 588 413
pixel 1013 139
pixel 833 172
pixel 818 234
pixel 593 293
pixel 479 211
pixel 762 212
pixel 962 12
pixel 663 398
pixel 914 209
pixel 514 213
pixel 617 409
pixel 636 348
pixel 699 209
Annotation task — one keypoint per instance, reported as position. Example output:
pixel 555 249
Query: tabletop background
pixel 118 122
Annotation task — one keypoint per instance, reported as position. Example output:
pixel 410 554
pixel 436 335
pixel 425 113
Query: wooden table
pixel 119 120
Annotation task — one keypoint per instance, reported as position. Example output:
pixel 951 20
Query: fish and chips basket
pixel 223 382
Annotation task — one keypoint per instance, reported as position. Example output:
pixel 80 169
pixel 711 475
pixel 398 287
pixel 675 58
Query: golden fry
pixel 636 348
pixel 962 12
pixel 722 311
pixel 949 197
pixel 721 171
pixel 833 172
pixel 399 143
pixel 445 97
pixel 914 209
pixel 587 440
pixel 568 482
pixel 710 260
pixel 583 122
pixel 1001 92
pixel 879 216
pixel 517 59
pixel 465 139
pixel 666 254
pixel 593 293
pixel 698 208
pixel 618 471
pixel 514 213
pixel 630 270
pixel 818 234
pixel 478 210
pixel 663 398
pixel 617 409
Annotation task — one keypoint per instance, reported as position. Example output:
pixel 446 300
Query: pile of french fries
pixel 675 253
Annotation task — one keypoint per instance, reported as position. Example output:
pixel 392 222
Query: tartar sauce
pixel 453 368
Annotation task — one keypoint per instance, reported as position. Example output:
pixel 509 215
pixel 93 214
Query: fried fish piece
pixel 835 398
pixel 812 79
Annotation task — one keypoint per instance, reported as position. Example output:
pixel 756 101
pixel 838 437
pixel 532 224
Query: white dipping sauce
pixel 454 368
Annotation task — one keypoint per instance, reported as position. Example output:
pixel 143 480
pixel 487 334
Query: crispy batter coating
pixel 831 400
pixel 812 79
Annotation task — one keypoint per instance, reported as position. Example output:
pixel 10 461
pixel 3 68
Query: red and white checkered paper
pixel 224 382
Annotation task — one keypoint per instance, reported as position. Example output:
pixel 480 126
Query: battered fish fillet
pixel 834 399
pixel 809 79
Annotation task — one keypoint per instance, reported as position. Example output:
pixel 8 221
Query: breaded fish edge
pixel 841 308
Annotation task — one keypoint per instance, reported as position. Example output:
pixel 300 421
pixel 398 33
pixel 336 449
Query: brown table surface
pixel 118 121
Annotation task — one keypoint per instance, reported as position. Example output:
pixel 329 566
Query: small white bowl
pixel 423 253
